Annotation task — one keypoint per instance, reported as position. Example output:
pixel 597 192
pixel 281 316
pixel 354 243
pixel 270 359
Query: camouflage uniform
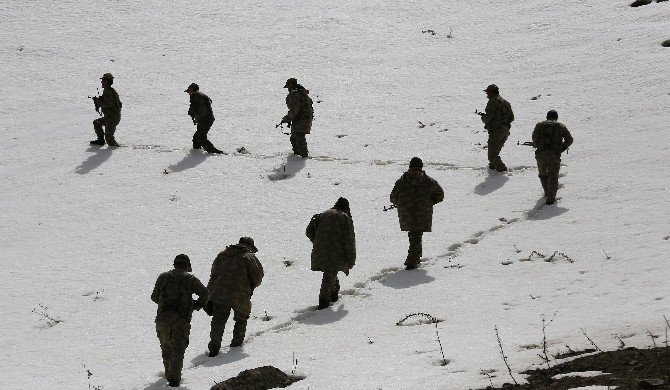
pixel 201 112
pixel 414 194
pixel 236 272
pixel 551 138
pixel 300 115
pixel 110 104
pixel 334 249
pixel 173 323
pixel 497 120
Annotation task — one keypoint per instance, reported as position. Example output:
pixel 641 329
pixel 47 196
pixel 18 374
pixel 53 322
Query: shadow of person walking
pixel 492 182
pixel 99 156
pixel 191 160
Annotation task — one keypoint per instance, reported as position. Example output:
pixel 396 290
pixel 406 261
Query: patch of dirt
pixel 626 369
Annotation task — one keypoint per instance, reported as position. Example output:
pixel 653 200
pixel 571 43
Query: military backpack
pixel 175 295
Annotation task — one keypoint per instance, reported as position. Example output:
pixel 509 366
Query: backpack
pixel 313 226
pixel 175 295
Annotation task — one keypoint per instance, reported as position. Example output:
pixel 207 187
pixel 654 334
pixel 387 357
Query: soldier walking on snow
pixel 334 248
pixel 299 116
pixel 236 272
pixel 173 292
pixel 200 111
pixel 498 118
pixel 414 194
pixel 550 138
pixel 110 104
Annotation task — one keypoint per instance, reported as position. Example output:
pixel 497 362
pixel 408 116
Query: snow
pixel 582 374
pixel 85 231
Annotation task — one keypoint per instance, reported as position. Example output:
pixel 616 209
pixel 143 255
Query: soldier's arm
pixel 255 270
pixel 107 99
pixel 293 107
pixel 193 109
pixel 311 229
pixel 198 289
pixel 488 112
pixel 394 194
pixel 437 194
pixel 157 289
pixel 350 242
pixel 214 273
pixel 536 136
pixel 567 139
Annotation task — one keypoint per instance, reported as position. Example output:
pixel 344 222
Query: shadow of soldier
pixel 290 168
pixel 549 211
pixel 493 181
pixel 325 316
pixel 191 160
pixel 401 280
pixel 99 156
pixel 227 357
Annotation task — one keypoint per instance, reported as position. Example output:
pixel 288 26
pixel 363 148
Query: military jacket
pixel 236 272
pixel 201 107
pixel 192 285
pixel 334 241
pixel 551 135
pixel 109 102
pixel 414 194
pixel 300 110
pixel 499 115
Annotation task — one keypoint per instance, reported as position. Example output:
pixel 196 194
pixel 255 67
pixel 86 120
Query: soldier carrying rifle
pixel 110 104
pixel 550 138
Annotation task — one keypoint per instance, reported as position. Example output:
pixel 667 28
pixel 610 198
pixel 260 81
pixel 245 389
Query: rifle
pixel 391 207
pixel 479 112
pixel 281 126
pixel 95 101
pixel 527 143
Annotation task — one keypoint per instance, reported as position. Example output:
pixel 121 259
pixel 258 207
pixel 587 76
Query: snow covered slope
pixel 85 232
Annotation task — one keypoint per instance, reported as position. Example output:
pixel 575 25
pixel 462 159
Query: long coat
pixel 334 241
pixel 414 194
pixel 236 272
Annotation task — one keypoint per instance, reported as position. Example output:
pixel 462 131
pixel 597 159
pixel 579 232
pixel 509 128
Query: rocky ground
pixel 628 368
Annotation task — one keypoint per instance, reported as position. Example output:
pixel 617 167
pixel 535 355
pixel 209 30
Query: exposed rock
pixel 638 3
pixel 666 43
pixel 260 378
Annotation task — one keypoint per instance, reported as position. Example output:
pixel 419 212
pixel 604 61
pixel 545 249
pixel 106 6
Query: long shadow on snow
pixel 325 316
pixel 191 160
pixel 400 280
pixel 492 182
pixel 230 356
pixel 293 165
pixel 159 384
pixel 98 157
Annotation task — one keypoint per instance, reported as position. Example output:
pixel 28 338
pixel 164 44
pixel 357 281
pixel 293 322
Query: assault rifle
pixel 527 143
pixel 95 101
pixel 281 126
pixel 479 112
pixel 391 207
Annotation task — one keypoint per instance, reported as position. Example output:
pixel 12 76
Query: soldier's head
pixel 107 80
pixel 342 204
pixel 415 163
pixel 192 88
pixel 181 261
pixel 552 115
pixel 492 90
pixel 249 243
pixel 291 84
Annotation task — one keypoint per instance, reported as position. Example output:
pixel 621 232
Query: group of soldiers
pixel 236 272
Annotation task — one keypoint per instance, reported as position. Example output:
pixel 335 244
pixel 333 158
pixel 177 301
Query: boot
pixel 334 296
pixel 323 304
pixel 97 142
pixel 239 331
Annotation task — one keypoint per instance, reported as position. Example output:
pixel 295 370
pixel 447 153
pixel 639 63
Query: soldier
pixel 414 194
pixel 236 272
pixel 201 113
pixel 334 248
pixel 110 104
pixel 173 293
pixel 299 116
pixel 498 118
pixel 550 138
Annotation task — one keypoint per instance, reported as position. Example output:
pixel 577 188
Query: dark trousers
pixel 299 144
pixel 548 166
pixel 109 123
pixel 330 286
pixel 496 142
pixel 200 137
pixel 219 319
pixel 173 337
pixel 415 250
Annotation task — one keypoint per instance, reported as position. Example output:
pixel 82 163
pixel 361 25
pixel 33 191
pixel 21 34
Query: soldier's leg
pixel 553 168
pixel 495 144
pixel 218 326
pixel 240 329
pixel 181 331
pixel 542 172
pixel 294 143
pixel 110 129
pixel 415 249
pixel 99 132
pixel 327 284
pixel 334 294
pixel 164 333
pixel 301 144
